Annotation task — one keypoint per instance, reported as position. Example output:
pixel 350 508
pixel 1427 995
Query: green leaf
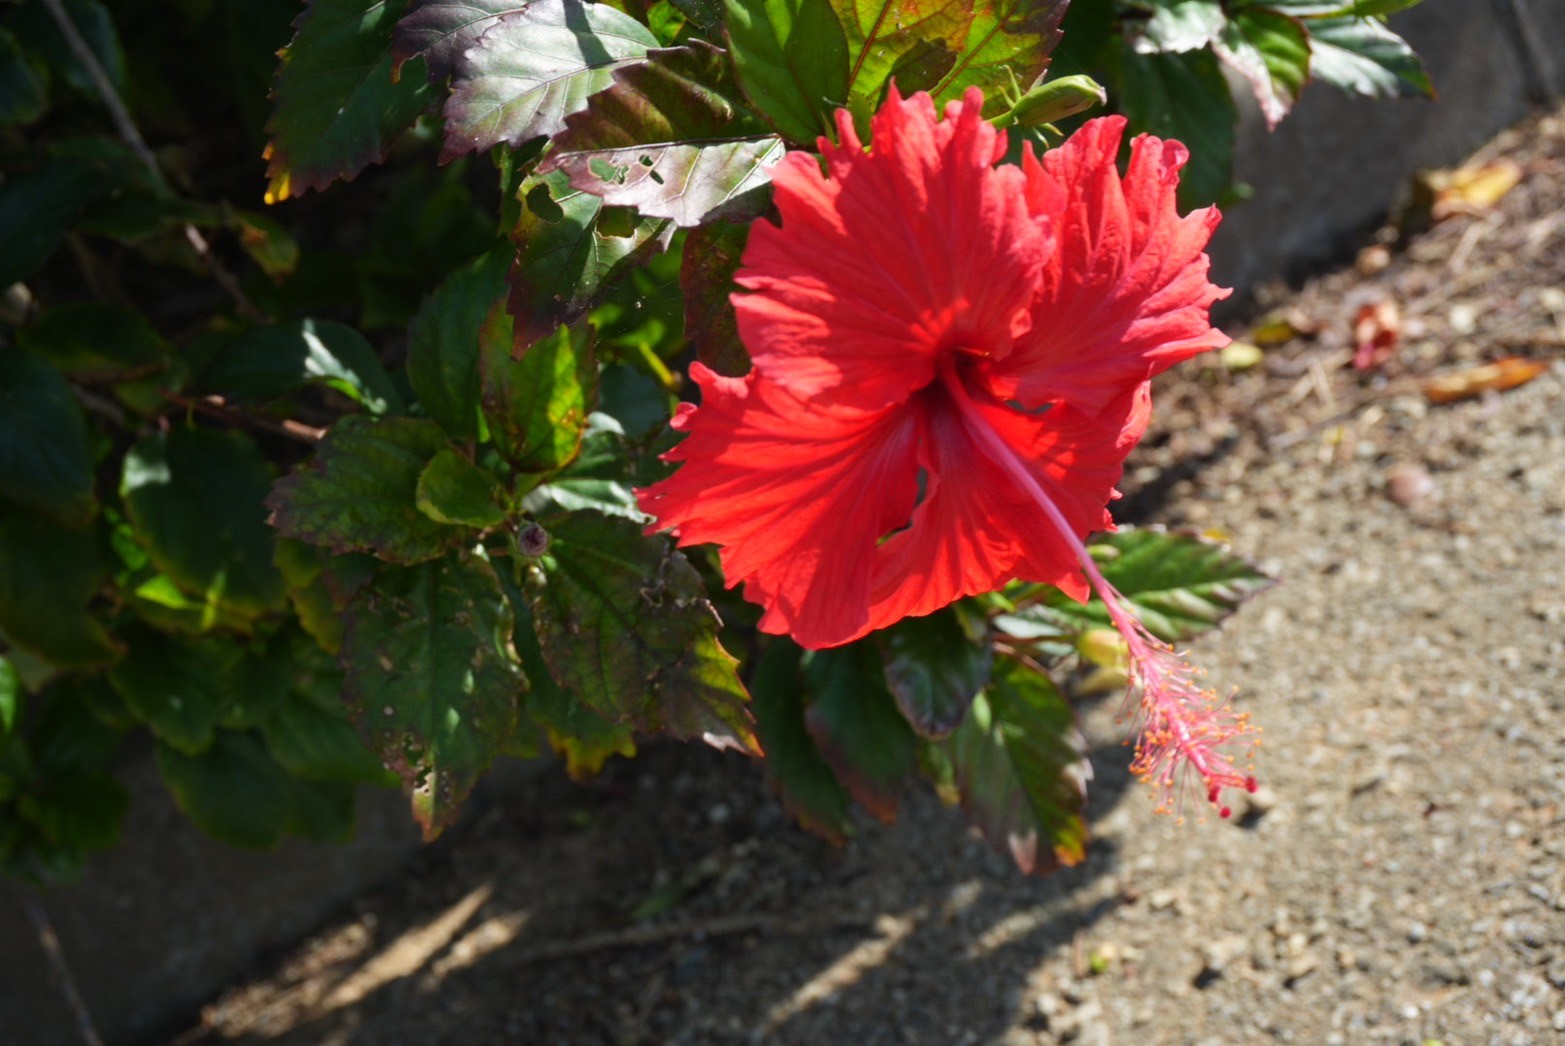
pixel 670 139
pixel 179 686
pixel 431 680
pixel 441 30
pixel 1008 44
pixel 233 791
pixel 10 697
pixel 67 736
pixel 791 57
pixel 48 575
pixel 584 738
pixel 1021 770
pixel 38 32
pixel 706 277
pixel 1180 584
pixel 338 109
pixel 79 811
pixel 264 363
pixel 1362 56
pixel 569 249
pixel 452 489
pixel 914 43
pixel 624 623
pixel 443 341
pixel 36 208
pixel 934 666
pixel 303 568
pixel 1182 96
pixel 44 461
pixel 537 406
pixel 533 67
pixel 195 498
pixel 96 342
pixel 857 727
pixel 23 86
pixel 360 491
pixel 805 782
pixel 1179 25
pixel 1272 52
pixel 268 243
pixel 321 811
pixel 318 744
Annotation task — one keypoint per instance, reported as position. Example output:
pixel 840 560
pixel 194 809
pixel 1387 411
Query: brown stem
pixel 50 943
pixel 214 407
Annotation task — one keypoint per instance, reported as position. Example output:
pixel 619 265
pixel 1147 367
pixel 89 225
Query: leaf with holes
pixel 791 57
pixel 624 623
pixel 533 67
pixel 1272 52
pixel 670 139
pixel 195 499
pixel 1008 45
pixel 1021 770
pixel 1180 584
pixel 706 276
pixel 857 727
pixel 803 779
pixel 1362 56
pixel 360 491
pixel 569 248
pixel 537 406
pixel 337 108
pixel 431 678
pixel 934 666
pixel 443 341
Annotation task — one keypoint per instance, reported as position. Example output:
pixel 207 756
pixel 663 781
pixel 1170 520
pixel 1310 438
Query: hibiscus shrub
pixel 368 487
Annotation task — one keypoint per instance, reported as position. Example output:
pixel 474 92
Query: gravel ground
pixel 1399 878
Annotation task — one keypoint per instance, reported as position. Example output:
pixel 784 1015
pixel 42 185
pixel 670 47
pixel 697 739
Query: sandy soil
pixel 1400 877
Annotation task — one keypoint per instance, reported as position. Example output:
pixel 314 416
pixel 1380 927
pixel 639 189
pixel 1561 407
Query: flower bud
pixel 1056 99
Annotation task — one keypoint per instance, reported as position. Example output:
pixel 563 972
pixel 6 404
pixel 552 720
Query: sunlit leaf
pixel 535 66
pixel 443 341
pixel 1272 52
pixel 10 697
pixel 264 363
pixel 1362 56
pixel 791 57
pixel 625 625
pixel 360 491
pixel 337 108
pixel 1008 43
pixel 1184 97
pixel 431 678
pixel 670 139
pixel 441 30
pixel 537 406
pixel 583 738
pixel 934 666
pixel 452 489
pixel 913 43
pixel 1179 25
pixel 803 779
pixel 1021 771
pixel 857 727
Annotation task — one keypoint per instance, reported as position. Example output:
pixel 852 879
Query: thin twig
pixel 138 145
pixel 213 406
pixel 50 943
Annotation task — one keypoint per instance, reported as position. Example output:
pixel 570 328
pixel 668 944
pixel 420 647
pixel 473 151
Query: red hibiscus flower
pixel 950 362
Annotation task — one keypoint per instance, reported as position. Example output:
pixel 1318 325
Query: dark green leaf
pixel 535 66
pixel 568 252
pixel 96 342
pixel 857 728
pixel 934 666
pixel 67 735
pixel 38 32
pixel 303 568
pixel 1272 52
pixel 44 461
pixel 23 89
pixel 443 341
pixel 625 624
pixel 360 491
pixel 584 738
pixel 1021 770
pixel 452 489
pixel 321 811
pixel 1008 46
pixel 10 697
pixel 441 30
pixel 35 210
pixel 195 498
pixel 704 13
pixel 48 574
pixel 670 139
pixel 180 687
pixel 234 791
pixel 264 363
pixel 808 788
pixel 80 811
pixel 337 108
pixel 1362 56
pixel 431 680
pixel 1180 584
pixel 1180 25
pixel 537 406
pixel 317 744
pixel 792 60
pixel 706 276
pixel 1185 97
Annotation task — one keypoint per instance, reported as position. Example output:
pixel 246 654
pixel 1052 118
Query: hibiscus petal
pixel 797 495
pixel 918 246
pixel 1125 294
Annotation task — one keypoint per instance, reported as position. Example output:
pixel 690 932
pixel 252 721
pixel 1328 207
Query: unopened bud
pixel 533 540
pixel 1056 99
